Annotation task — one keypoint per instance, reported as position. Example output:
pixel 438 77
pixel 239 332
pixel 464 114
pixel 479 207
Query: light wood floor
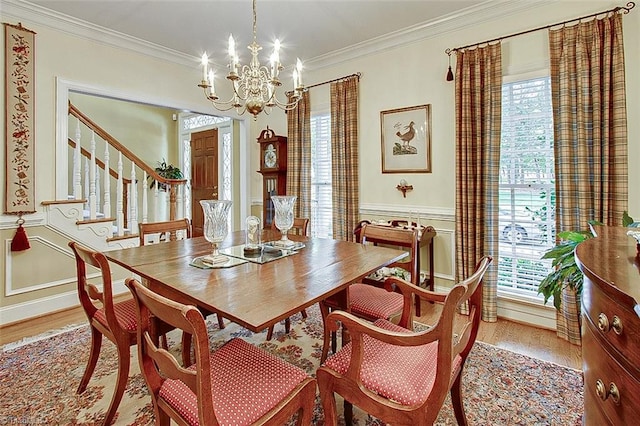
pixel 524 339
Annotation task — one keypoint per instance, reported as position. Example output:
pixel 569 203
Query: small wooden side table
pixel 427 234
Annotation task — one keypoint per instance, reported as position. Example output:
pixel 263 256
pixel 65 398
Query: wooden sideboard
pixel 610 327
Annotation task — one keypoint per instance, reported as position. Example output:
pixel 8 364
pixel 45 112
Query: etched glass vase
pixel 216 227
pixel 283 205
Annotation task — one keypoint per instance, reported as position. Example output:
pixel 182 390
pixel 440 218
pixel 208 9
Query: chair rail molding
pixel 394 211
pixel 30 220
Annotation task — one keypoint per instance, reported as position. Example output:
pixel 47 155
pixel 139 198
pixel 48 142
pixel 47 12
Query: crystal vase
pixel 216 227
pixel 283 205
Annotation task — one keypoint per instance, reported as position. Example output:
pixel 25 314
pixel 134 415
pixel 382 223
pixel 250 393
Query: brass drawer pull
pixel 617 325
pixel 603 322
pixel 601 390
pixel 615 393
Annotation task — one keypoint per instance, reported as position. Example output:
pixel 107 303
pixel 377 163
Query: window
pixel 527 192
pixel 321 192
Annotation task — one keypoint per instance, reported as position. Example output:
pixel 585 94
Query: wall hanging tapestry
pixel 19 54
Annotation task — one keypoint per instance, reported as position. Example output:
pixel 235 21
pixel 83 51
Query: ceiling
pixel 308 29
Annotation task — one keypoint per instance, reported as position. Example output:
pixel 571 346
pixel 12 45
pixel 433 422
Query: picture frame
pixel 406 139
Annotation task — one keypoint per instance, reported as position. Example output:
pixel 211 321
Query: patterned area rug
pixel 39 380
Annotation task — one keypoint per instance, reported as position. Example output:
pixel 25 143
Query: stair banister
pixel 172 183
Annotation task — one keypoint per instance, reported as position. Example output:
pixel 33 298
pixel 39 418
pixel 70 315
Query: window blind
pixel 527 193
pixel 321 181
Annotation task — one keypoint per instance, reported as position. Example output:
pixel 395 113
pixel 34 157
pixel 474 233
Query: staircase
pixel 88 215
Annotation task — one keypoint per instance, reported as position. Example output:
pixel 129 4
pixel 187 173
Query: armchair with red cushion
pixel 397 375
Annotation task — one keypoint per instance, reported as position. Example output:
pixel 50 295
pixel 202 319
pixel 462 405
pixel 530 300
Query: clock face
pixel 270 156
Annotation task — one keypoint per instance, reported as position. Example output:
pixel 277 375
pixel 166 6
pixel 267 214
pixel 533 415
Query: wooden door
pixel 204 175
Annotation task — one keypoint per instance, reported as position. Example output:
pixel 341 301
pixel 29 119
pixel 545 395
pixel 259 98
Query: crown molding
pixel 466 18
pixel 25 11
pixel 483 12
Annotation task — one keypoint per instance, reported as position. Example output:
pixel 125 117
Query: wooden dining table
pixel 254 295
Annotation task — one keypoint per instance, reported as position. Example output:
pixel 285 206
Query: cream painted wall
pixel 125 74
pixel 409 75
pixel 414 74
pixel 150 132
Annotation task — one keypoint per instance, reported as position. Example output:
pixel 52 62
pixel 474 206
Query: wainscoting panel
pixel 22 276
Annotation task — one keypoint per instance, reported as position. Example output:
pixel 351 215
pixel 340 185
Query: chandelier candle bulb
pixel 276 53
pixel 232 47
pixel 212 91
pixel 205 61
pixel 299 69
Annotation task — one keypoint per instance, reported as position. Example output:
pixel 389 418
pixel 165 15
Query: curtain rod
pixel 625 9
pixel 357 74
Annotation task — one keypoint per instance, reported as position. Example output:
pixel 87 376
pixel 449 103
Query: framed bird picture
pixel 406 139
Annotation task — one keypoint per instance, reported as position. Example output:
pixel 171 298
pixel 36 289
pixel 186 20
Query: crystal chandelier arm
pixel 288 106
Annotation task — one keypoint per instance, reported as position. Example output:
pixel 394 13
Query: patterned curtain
pixel 344 157
pixel 590 125
pixel 299 156
pixel 478 120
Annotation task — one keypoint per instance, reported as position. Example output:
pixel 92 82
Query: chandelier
pixel 253 84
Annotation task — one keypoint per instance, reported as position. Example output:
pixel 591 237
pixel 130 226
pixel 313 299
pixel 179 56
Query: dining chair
pixel 165 232
pixel 116 321
pixel 155 232
pixel 237 384
pixel 399 223
pixel 302 226
pixel 368 299
pixel 399 376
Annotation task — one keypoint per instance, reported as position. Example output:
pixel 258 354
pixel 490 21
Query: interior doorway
pixel 204 174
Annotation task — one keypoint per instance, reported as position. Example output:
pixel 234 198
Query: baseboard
pixel 527 313
pixel 39 307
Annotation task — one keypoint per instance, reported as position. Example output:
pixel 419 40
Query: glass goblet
pixel 284 217
pixel 216 227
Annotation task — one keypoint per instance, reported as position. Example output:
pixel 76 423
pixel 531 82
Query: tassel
pixel 449 73
pixel 20 241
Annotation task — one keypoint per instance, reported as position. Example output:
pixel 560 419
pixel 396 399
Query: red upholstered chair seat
pixel 246 383
pixel 404 374
pixel 125 312
pixel 370 301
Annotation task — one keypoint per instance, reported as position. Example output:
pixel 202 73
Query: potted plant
pixel 565 270
pixel 167 171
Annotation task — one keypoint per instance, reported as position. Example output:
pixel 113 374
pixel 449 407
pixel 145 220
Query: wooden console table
pixel 610 327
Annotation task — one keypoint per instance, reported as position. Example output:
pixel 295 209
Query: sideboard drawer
pixel 607 383
pixel 617 325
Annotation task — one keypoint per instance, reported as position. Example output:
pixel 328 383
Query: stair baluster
pixel 133 211
pixel 107 184
pixel 145 207
pixel 77 165
pixel 92 179
pixel 119 199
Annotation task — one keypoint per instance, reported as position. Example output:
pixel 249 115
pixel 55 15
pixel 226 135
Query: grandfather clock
pixel 273 167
